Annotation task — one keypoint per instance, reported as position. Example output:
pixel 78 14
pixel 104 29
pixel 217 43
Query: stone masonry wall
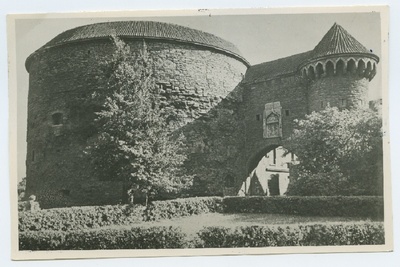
pixel 344 91
pixel 291 92
pixel 192 81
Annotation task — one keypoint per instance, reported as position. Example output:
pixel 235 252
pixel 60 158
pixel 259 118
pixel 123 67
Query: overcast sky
pixel 260 38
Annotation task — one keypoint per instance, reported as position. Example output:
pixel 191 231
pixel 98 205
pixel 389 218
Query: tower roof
pixel 147 30
pixel 338 41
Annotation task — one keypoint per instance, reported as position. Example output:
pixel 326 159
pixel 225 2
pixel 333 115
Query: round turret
pixel 338 71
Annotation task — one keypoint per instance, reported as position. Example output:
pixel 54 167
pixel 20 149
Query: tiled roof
pixel 336 41
pixel 268 70
pixel 146 29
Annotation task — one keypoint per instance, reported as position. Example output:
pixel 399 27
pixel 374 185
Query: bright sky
pixel 260 38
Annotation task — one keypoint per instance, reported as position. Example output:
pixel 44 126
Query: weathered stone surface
pixel 221 115
pixel 62 80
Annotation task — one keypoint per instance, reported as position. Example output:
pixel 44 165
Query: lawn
pixel 192 224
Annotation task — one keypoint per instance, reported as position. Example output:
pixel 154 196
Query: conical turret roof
pixel 338 41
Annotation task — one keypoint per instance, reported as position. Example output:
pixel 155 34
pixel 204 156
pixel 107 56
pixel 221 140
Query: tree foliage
pixel 215 156
pixel 21 189
pixel 134 143
pixel 339 153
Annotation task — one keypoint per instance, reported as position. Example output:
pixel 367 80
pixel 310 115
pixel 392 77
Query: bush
pixel 345 161
pixel 132 238
pixel 182 207
pixel 305 235
pixel 210 237
pixel 349 206
pixel 75 218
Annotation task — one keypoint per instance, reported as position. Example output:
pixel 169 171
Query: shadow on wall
pixel 215 143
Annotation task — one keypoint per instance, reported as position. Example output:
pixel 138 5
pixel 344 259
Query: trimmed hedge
pixel 210 237
pixel 75 218
pixel 303 235
pixel 79 217
pixel 182 207
pixel 132 238
pixel 346 206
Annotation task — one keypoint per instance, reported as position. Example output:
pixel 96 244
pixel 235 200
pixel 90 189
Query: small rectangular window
pixel 287 112
pixel 274 157
pixel 322 104
pixel 258 117
pixel 57 118
pixel 343 102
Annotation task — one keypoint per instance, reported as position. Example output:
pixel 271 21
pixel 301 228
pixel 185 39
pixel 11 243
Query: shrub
pixel 75 218
pixel 28 205
pixel 182 207
pixel 132 238
pixel 349 206
pixel 345 161
pixel 79 217
pixel 305 235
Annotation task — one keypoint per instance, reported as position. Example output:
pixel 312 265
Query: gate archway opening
pixel 268 172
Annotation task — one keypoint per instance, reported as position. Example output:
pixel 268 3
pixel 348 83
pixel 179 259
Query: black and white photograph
pixel 200 132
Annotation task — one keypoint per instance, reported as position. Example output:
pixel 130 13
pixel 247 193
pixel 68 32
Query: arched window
pixel 369 68
pixel 272 123
pixel 57 118
pixel 320 70
pixel 351 66
pixel 361 67
pixel 311 73
pixel 340 67
pixel 304 73
pixel 329 68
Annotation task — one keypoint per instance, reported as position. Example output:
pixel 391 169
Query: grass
pixel 192 224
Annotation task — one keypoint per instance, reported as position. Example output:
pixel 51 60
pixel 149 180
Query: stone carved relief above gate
pixel 272 120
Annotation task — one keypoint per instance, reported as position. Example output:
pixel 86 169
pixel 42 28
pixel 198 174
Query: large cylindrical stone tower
pixel 193 69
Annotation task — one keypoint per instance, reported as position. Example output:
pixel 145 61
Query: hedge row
pixel 306 235
pixel 79 217
pixel 133 238
pixel 97 216
pixel 346 206
pixel 210 237
pixel 75 218
pixel 182 207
